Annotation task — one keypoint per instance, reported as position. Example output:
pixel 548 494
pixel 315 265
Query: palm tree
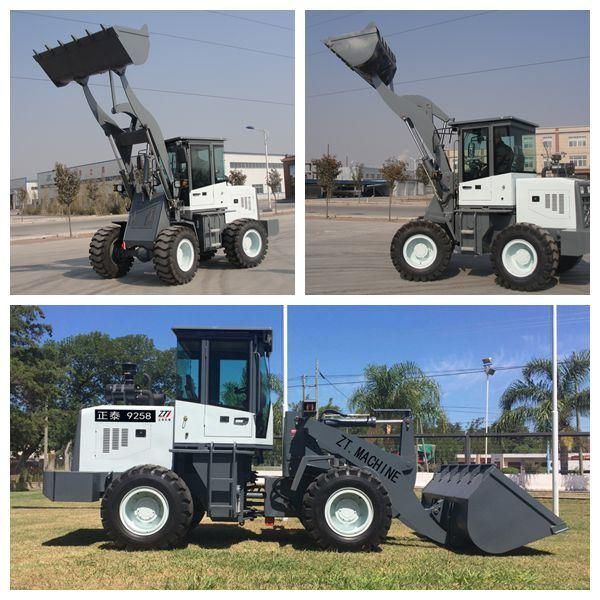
pixel 527 402
pixel 403 385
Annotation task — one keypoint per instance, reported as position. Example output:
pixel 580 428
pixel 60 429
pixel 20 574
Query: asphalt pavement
pixel 353 257
pixel 60 266
pixel 367 208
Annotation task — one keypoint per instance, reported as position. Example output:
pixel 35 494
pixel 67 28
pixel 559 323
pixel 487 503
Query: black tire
pixel 206 256
pixel 172 488
pixel 566 263
pixel 166 247
pixel 106 256
pixel 233 243
pixel 197 515
pixel 437 234
pixel 323 487
pixel 546 250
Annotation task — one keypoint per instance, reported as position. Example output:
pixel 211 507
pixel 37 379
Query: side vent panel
pixel 106 440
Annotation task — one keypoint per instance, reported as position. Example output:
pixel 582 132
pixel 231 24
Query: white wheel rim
pixel 252 243
pixel 519 258
pixel 349 512
pixel 186 254
pixel 144 511
pixel 420 251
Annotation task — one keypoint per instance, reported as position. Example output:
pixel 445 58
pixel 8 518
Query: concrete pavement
pixel 368 208
pixel 61 266
pixel 353 257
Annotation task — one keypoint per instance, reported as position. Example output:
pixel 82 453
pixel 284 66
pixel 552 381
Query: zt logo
pixel 343 442
pixel 165 415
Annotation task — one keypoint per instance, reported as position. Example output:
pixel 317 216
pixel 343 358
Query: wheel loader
pixel 492 201
pixel 181 207
pixel 159 466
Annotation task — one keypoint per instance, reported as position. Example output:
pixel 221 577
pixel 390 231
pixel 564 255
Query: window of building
pixel 547 142
pixel 258 187
pixel 577 141
pixel 580 160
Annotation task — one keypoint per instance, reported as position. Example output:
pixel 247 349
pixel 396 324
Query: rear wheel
pixel 347 509
pixel 524 258
pixel 245 243
pixel 107 257
pixel 566 263
pixel 176 255
pixel 421 250
pixel 147 507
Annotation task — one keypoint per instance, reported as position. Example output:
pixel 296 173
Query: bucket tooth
pixel 110 49
pixel 367 53
pixel 483 507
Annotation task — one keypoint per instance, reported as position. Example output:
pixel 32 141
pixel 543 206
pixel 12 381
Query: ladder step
pixel 227 479
pixel 467 249
pixel 467 231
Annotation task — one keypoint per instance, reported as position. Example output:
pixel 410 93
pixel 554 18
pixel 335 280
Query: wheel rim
pixel 420 251
pixel 349 512
pixel 519 258
pixel 186 255
pixel 144 511
pixel 252 243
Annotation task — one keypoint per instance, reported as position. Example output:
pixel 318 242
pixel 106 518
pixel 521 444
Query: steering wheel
pixel 477 167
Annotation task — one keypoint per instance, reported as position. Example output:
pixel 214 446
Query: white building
pixel 20 186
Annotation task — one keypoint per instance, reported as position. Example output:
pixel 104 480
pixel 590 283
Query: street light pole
pixel 489 371
pixel 266 140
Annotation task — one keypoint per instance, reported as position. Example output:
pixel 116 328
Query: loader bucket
pixel 483 507
pixel 366 53
pixel 112 48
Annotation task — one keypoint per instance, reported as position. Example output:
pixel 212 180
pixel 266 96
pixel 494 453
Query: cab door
pixel 201 195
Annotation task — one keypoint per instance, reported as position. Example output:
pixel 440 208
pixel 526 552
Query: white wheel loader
pixel 492 202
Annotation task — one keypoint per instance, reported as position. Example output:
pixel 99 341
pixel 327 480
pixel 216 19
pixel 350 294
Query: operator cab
pixel 222 386
pixel 488 147
pixel 196 163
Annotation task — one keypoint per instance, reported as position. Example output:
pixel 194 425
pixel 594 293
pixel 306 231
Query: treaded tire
pixel 197 515
pixel 566 263
pixel 546 250
pixel 315 499
pixel 178 497
pixel 438 236
pixel 105 253
pixel 232 239
pixel 165 255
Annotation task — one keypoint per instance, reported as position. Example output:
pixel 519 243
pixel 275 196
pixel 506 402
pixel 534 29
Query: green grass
pixel 62 546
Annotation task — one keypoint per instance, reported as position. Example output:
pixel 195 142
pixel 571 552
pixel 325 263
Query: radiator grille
pixel 106 440
pixel 555 203
pixel 124 438
pixel 115 438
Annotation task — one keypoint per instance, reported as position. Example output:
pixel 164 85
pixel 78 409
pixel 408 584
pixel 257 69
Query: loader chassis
pixel 181 207
pixel 159 468
pixel 490 200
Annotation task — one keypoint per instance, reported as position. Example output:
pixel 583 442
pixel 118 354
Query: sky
pixel 157 321
pixel 440 339
pixel 50 124
pixel 359 126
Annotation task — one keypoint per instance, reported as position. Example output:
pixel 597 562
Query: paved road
pixel 352 257
pixel 62 267
pixel 374 208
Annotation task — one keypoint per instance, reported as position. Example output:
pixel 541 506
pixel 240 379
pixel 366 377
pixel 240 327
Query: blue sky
pixel 157 321
pixel 360 126
pixel 439 339
pixel 51 124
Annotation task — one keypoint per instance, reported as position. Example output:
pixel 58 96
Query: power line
pixel 462 74
pixel 175 92
pixel 232 16
pixel 349 14
pixel 420 27
pixel 163 34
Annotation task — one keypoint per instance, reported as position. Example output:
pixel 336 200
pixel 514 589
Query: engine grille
pixel 114 438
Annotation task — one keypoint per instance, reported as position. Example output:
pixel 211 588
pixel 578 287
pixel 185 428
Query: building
pixel 525 461
pixel 252 164
pixel 22 193
pixel 572 142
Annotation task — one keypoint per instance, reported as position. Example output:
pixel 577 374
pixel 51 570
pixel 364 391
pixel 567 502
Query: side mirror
pixel 222 179
pixel 471 150
pixel 181 154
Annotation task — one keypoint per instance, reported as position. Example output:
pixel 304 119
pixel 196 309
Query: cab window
pixel 219 157
pixel 200 159
pixel 188 370
pixel 475 153
pixel 228 375
pixel 514 150
pixel 263 410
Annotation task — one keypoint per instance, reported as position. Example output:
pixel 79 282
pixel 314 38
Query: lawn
pixel 62 546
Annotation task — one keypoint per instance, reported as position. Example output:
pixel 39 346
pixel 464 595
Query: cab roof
pixel 494 120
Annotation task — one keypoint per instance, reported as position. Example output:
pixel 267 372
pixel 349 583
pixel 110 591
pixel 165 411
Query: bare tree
pixel 328 167
pixel 67 185
pixel 357 172
pixel 393 170
pixel 237 177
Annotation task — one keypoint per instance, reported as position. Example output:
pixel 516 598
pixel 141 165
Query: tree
pixel 527 402
pixel 34 377
pixel 327 168
pixel 357 172
pixel 393 170
pixel 421 174
pixel 237 177
pixel 92 193
pixel 67 186
pixel 274 182
pixel 403 385
pixel 22 197
pixel 330 406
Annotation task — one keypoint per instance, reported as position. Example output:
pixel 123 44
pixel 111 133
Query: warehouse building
pixel 22 193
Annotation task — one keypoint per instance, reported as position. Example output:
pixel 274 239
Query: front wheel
pixel 347 509
pixel 107 257
pixel 245 243
pixel 147 507
pixel 176 255
pixel 524 258
pixel 421 250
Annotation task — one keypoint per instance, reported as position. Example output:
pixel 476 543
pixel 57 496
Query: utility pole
pixel 46 438
pixel 489 371
pixel 317 384
pixel 555 458
pixel 303 388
